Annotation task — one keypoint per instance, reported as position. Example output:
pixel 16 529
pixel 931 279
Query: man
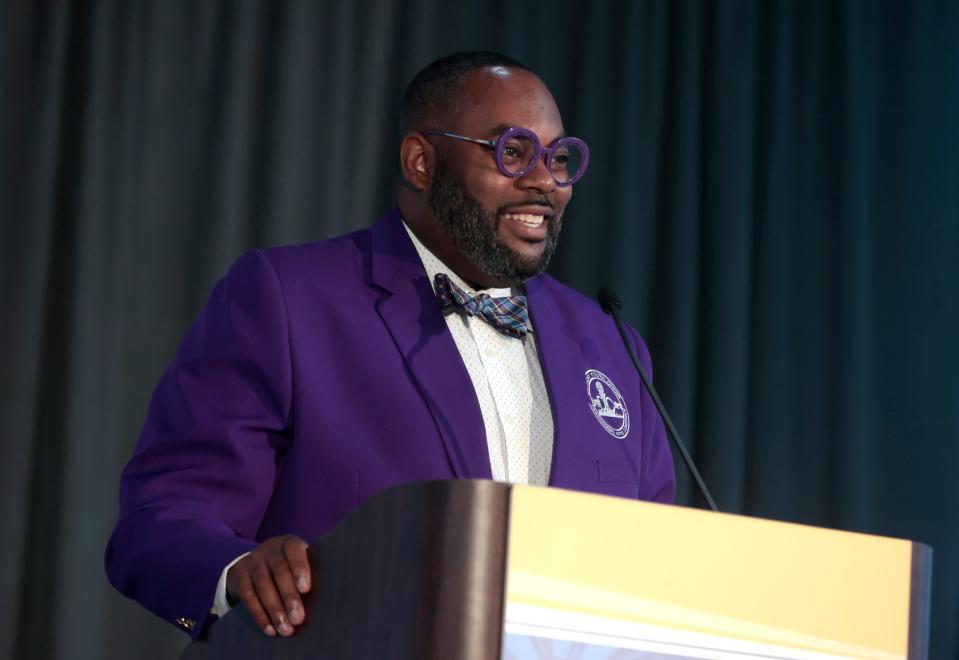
pixel 318 375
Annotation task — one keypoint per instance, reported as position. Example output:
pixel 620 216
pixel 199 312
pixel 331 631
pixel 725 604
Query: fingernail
pixel 286 628
pixel 296 614
pixel 269 630
pixel 302 583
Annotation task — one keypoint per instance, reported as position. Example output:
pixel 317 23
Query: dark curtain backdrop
pixel 774 190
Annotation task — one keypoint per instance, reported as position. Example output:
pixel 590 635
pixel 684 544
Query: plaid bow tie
pixel 507 315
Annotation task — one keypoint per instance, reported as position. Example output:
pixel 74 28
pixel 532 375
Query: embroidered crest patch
pixel 607 404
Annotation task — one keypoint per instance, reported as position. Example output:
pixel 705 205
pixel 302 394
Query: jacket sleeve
pixel 658 475
pixel 195 491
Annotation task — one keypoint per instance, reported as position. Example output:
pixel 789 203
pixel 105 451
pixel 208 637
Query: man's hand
pixel 269 582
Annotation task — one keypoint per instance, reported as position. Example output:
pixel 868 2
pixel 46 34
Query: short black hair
pixel 436 86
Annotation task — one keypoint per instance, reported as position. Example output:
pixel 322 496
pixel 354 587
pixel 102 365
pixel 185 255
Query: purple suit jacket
pixel 317 376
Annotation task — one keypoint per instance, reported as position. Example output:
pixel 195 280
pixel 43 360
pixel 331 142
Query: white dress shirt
pixel 509 386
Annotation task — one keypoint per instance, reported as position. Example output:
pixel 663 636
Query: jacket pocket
pixel 619 478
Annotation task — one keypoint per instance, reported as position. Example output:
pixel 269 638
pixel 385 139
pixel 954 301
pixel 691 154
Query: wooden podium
pixel 482 570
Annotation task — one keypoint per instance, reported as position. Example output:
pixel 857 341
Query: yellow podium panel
pixel 671 582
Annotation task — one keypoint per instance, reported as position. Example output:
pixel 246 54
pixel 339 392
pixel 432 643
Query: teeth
pixel 530 220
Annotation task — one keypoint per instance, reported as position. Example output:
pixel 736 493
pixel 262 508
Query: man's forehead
pixel 495 96
pixel 498 84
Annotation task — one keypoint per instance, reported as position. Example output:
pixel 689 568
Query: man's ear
pixel 416 160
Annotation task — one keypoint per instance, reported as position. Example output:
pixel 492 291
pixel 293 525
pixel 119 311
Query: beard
pixel 474 232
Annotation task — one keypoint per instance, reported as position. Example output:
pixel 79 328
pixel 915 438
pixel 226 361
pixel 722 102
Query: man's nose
pixel 539 178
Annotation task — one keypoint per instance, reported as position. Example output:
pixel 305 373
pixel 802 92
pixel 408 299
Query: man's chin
pixel 526 254
pixel 531 266
pixel 527 265
pixel 529 255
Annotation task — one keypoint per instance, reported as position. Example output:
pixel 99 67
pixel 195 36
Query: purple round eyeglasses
pixel 517 150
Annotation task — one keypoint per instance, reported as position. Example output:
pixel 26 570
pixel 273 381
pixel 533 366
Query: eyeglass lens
pixel 565 162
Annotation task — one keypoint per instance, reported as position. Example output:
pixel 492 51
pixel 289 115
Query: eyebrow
pixel 497 130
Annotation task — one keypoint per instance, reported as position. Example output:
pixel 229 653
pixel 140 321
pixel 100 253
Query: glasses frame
pixel 546 153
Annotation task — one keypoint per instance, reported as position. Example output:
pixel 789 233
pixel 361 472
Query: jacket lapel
pixel 413 317
pixel 562 358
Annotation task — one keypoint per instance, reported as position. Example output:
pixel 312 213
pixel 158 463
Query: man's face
pixel 506 227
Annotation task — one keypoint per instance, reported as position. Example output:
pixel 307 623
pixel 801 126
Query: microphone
pixel 611 304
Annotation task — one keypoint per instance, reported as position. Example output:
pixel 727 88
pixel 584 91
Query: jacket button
pixel 189 624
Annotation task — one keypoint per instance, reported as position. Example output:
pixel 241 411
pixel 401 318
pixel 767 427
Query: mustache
pixel 537 201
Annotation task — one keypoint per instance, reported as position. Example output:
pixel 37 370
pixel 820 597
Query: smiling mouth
pixel 530 220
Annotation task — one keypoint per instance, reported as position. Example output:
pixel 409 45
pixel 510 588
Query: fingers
pixel 295 551
pixel 269 582
pixel 244 591
pixel 266 591
pixel 289 604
